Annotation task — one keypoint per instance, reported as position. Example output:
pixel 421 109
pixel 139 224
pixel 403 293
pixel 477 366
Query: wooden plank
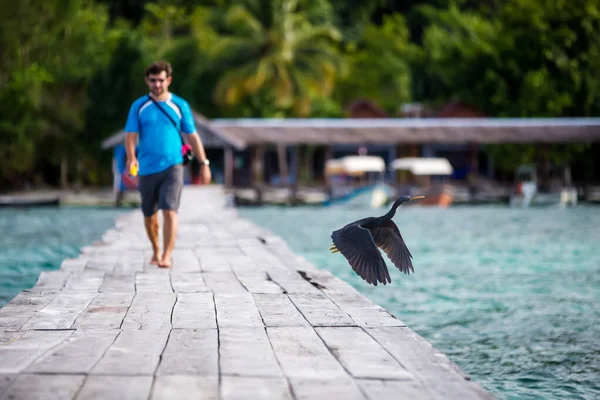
pixel 320 311
pixel 278 310
pixel 236 310
pixel 77 354
pixel 432 369
pixel 73 264
pixel 9 337
pixel 61 312
pixel 223 282
pixel 5 382
pixel 362 356
pixel 118 283
pixel 103 262
pixel 210 261
pixel 302 354
pixel 51 280
pixel 106 311
pixel 20 309
pixel 133 353
pixel 394 390
pixel 362 311
pixel 194 311
pixel 116 387
pixel 188 282
pixel 168 387
pixel 17 356
pixel 157 281
pixel 150 311
pixel 185 261
pixel 340 388
pixel 88 281
pixel 259 284
pixel 191 352
pixel 246 388
pixel 42 387
pixel 129 263
pixel 260 254
pixel 247 351
pixel 293 285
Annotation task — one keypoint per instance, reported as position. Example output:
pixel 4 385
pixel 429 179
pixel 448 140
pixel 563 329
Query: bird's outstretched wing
pixel 357 245
pixel 388 238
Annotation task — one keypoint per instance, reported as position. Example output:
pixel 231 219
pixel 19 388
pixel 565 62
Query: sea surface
pixel 511 295
pixel 36 239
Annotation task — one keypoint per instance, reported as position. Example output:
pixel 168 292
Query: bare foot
pixel 165 262
pixel 155 259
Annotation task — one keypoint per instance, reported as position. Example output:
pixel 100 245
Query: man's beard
pixel 158 92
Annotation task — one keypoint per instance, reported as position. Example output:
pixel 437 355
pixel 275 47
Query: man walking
pixel 156 120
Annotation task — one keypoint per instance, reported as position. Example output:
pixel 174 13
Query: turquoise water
pixel 38 239
pixel 512 296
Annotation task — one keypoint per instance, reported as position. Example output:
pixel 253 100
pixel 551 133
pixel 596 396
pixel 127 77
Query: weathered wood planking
pixel 302 354
pixel 320 311
pixel 239 316
pixel 61 312
pixel 157 281
pixel 17 355
pixel 168 387
pixel 194 311
pixel 339 388
pixel 278 310
pixel 360 355
pixel 237 309
pixel 251 388
pixel 42 387
pixel 191 352
pixel 106 311
pixel 16 313
pixel 134 352
pixel 150 311
pixel 237 360
pixel 116 387
pixel 77 354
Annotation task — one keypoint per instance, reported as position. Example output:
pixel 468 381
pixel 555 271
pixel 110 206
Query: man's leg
pixel 169 195
pixel 151 224
pixel 169 235
pixel 148 186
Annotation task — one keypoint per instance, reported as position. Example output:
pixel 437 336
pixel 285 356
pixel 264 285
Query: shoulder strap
pixel 170 118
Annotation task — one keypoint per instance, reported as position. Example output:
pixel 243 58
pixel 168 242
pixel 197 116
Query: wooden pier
pixel 239 316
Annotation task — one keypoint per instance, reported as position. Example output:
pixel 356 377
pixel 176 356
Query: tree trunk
pixel 64 182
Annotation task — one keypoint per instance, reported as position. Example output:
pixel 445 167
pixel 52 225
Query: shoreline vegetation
pixel 70 70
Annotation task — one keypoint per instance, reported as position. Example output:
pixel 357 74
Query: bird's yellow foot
pixel 334 248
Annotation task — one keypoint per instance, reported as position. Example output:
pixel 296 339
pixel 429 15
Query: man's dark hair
pixel 159 66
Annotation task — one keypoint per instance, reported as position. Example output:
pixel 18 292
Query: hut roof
pixel 408 130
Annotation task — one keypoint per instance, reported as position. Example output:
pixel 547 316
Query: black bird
pixel 359 242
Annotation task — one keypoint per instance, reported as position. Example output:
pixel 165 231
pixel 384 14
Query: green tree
pixel 275 51
pixel 49 52
pixel 380 58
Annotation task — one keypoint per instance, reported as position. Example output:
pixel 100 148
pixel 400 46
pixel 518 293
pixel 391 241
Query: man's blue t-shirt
pixel 159 142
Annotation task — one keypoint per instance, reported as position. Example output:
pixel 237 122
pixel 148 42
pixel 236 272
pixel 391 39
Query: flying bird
pixel 361 240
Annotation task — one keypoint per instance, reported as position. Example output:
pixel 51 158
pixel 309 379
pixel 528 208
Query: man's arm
pixel 130 142
pixel 198 148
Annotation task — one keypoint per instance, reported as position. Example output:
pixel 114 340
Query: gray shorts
pixel 161 191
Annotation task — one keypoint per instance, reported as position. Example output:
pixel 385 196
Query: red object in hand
pixel 185 148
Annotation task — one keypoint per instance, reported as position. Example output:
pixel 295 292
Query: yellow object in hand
pixel 133 170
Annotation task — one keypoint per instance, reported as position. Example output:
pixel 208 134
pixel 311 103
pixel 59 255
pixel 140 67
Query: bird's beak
pixel 417 198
